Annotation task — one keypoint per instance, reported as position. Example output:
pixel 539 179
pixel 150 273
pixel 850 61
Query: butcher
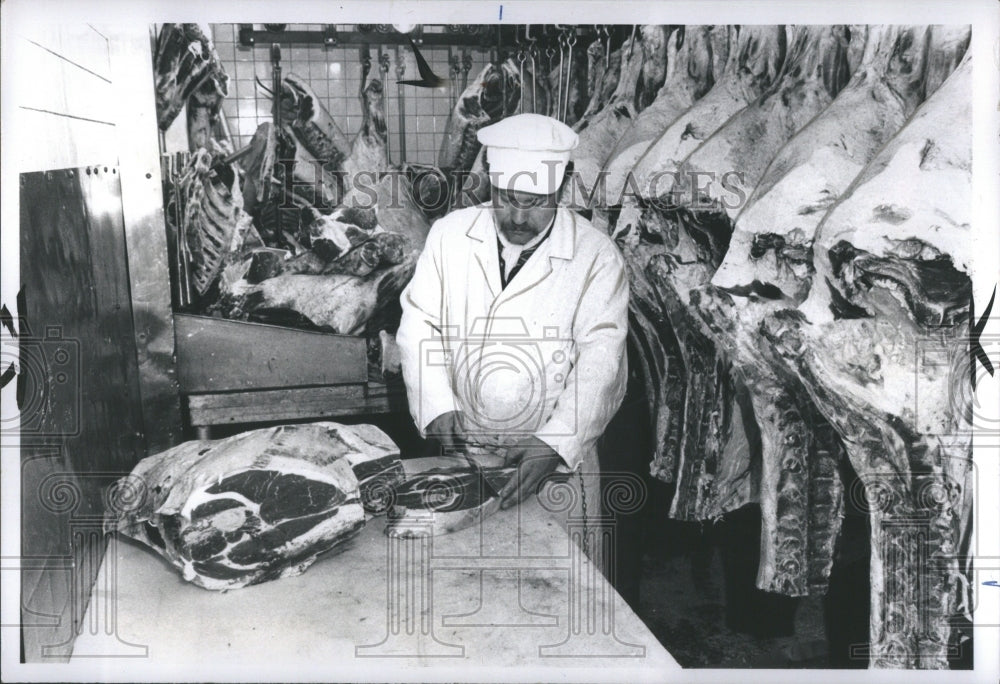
pixel 512 337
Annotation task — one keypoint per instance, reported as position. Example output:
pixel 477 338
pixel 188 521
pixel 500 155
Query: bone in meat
pixel 892 276
pixel 695 58
pixel 257 506
pixel 184 59
pixel 312 123
pixel 755 60
pixel 368 151
pixel 213 215
pixel 493 95
pixel 640 76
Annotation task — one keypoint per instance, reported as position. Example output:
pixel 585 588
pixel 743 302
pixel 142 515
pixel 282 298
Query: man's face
pixel 522 215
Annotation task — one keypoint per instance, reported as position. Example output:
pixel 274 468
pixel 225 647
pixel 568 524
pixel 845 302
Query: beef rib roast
pixel 256 506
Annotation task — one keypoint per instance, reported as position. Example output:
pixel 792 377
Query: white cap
pixel 528 152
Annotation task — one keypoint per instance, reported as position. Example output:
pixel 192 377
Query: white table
pixel 507 599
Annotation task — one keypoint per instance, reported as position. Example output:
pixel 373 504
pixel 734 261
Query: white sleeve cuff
pixel 561 439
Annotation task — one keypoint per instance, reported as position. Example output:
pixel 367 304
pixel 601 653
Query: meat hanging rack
pixel 453 35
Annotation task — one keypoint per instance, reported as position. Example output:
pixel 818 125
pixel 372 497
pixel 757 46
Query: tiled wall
pixel 335 76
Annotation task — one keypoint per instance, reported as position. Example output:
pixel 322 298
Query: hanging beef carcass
pixel 603 70
pixel 203 111
pixel 698 240
pixel 769 266
pixel 213 217
pixel 881 346
pixel 727 166
pixel 696 56
pixel 284 186
pixel 260 505
pixel 711 474
pixel 314 127
pixel 184 60
pixel 641 75
pixel 813 72
pixel 646 236
pixel 369 156
pixel 711 471
pixel 493 95
pixel 755 59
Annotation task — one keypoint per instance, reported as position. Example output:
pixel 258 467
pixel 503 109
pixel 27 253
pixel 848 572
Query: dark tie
pixel 522 259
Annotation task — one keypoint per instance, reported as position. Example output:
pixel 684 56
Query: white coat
pixel 545 356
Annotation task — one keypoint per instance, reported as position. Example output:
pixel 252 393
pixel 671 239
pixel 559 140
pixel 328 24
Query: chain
pixel 583 500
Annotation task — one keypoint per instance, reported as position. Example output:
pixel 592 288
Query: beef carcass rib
pixel 213 215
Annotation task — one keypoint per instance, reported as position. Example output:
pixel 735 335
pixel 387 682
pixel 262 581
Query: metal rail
pixel 328 35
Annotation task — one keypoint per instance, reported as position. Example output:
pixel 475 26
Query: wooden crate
pixel 219 355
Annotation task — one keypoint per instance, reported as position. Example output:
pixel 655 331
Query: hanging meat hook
pixel 366 67
pixel 631 43
pixel 532 51
pixel 521 57
pixel 453 70
pixel 570 42
pixel 383 65
pixel 401 103
pixel 562 61
pixel 550 52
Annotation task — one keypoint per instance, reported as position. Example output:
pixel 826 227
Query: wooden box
pixel 219 355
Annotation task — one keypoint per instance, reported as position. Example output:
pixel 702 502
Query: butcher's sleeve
pixel 421 344
pixel 596 383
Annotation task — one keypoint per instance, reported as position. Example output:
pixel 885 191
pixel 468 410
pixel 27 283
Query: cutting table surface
pixel 511 592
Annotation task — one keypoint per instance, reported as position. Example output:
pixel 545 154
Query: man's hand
pixel 449 430
pixel 535 459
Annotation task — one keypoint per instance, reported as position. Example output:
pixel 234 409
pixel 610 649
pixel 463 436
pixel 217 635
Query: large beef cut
pixel 184 60
pixel 446 498
pixel 369 154
pixel 642 72
pixel 213 218
pixel 756 56
pixel 494 94
pixel 314 127
pixel 696 56
pixel 260 505
pixel 892 282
